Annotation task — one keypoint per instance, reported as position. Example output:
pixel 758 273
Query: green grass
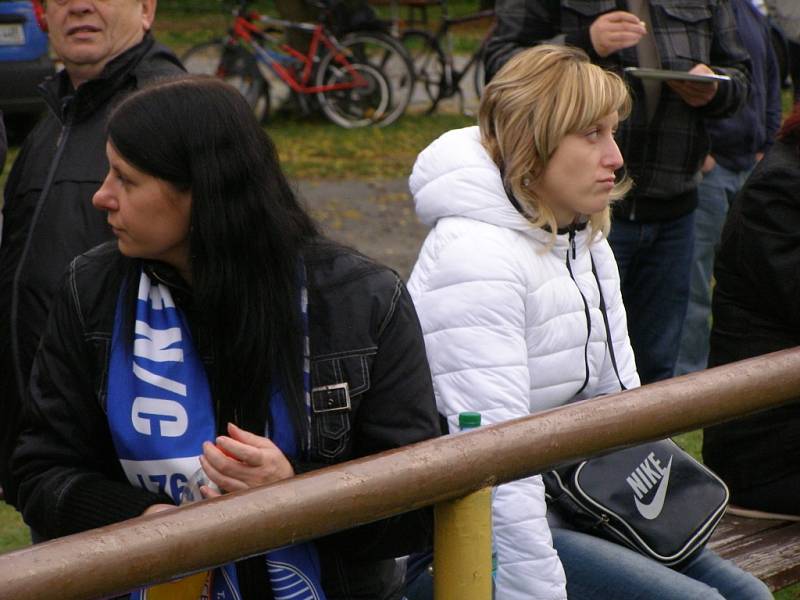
pixel 10 158
pixel 692 442
pixel 317 149
pixel 180 32
pixel 13 533
pixel 313 148
pixel 180 24
pixel 790 593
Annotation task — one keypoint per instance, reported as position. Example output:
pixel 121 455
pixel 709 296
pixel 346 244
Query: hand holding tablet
pixel 667 75
pixel 697 87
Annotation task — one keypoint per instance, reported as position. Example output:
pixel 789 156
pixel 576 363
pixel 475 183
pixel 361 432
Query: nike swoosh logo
pixel 652 510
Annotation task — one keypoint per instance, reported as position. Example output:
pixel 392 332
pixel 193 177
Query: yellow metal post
pixel 462 548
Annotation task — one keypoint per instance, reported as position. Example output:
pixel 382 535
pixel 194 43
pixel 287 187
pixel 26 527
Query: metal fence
pixel 109 560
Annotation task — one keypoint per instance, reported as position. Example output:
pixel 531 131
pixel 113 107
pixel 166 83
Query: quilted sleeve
pixel 470 297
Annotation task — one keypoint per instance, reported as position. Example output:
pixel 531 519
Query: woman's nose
pixel 613 157
pixel 103 198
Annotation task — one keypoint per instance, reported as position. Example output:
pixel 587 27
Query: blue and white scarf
pixel 160 412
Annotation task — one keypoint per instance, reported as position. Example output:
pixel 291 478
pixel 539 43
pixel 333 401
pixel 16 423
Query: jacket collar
pixel 164 273
pixel 89 97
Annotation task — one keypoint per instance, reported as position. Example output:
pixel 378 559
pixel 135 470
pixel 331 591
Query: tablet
pixel 667 75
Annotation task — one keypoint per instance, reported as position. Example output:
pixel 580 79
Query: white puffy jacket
pixel 511 328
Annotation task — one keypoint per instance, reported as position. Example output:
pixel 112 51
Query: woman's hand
pixel 708 164
pixel 242 460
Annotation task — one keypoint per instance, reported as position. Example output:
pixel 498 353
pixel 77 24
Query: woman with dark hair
pixel 220 331
pixel 756 310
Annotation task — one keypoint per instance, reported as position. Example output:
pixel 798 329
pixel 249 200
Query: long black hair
pixel 247 231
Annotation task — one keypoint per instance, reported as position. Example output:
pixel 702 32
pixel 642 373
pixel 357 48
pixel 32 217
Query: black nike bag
pixel 654 498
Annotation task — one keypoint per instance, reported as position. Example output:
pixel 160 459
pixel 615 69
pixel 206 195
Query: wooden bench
pixel 769 549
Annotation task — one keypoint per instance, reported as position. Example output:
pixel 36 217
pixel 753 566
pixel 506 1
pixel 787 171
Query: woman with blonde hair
pixel 519 299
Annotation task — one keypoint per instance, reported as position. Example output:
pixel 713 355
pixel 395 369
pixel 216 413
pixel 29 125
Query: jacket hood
pixel 455 177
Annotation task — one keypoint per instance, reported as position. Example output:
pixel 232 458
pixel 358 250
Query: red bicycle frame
pixel 245 29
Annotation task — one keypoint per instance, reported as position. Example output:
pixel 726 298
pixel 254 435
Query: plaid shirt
pixel 663 156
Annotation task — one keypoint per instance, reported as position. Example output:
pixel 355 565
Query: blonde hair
pixel 540 96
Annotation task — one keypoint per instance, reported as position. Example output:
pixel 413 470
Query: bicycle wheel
pixel 234 65
pixel 356 106
pixel 390 58
pixel 429 61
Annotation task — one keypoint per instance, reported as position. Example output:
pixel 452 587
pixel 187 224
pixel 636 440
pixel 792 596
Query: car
pixel 24 59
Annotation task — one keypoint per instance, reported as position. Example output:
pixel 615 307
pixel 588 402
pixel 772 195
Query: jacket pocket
pixel 337 385
pixel 688 29
pixel 589 8
pixel 578 15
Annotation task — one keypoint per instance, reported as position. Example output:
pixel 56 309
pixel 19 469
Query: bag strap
pixel 609 342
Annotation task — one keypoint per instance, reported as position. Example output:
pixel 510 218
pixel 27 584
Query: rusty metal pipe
pixel 154 548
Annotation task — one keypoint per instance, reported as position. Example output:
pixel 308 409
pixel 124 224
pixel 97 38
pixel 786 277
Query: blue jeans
pixel 598 569
pixel 654 261
pixel 714 195
pixel 420 587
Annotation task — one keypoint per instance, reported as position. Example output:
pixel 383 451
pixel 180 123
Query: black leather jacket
pixel 48 217
pixel 756 311
pixel 363 331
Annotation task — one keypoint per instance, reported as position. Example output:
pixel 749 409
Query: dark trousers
pixel 779 496
pixel 654 261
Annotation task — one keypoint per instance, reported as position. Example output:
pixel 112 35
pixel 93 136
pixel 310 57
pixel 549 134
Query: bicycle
pixel 434 65
pixel 349 84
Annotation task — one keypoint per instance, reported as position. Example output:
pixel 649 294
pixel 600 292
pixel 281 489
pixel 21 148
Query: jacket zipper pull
pixel 572 240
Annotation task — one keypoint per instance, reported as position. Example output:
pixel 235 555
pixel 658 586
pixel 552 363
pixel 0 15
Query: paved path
pixel 375 217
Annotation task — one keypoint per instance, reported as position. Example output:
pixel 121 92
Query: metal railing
pixel 157 547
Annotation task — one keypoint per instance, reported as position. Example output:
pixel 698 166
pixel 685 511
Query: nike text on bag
pixel 654 498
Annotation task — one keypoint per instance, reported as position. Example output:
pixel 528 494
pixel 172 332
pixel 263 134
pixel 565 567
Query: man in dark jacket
pixel 737 143
pixel 663 142
pixel 48 216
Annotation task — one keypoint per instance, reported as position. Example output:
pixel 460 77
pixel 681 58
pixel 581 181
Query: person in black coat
pixel 220 331
pixel 48 219
pixel 756 310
